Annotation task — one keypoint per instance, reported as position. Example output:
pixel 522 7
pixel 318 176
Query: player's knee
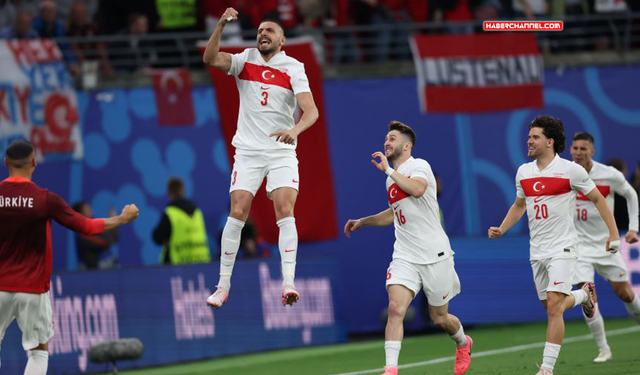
pixel 284 209
pixel 554 307
pixel 396 310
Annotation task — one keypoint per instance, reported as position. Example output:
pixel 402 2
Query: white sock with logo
pixel 229 250
pixel 459 337
pixel 288 244
pixel 596 326
pixel 37 363
pixel 633 308
pixel 392 352
pixel 550 355
pixel 580 297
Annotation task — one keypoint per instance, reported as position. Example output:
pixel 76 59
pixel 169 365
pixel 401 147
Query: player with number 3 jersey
pixel 422 256
pixel 271 85
pixel 546 189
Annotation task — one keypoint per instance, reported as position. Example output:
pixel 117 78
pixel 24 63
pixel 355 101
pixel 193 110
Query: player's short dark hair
pixel 20 153
pixel 552 128
pixel 403 129
pixel 583 136
pixel 274 20
pixel 175 187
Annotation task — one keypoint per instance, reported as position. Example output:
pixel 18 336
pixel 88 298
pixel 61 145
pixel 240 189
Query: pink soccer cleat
pixel 391 370
pixel 289 295
pixel 218 298
pixel 589 307
pixel 463 358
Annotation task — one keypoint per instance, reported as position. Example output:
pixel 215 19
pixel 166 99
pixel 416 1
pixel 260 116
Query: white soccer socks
pixel 459 337
pixel 633 308
pixel 596 326
pixel 229 250
pixel 38 362
pixel 550 355
pixel 288 244
pixel 392 352
pixel 580 297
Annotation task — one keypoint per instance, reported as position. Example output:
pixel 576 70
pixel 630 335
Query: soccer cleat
pixel 589 306
pixel 463 358
pixel 544 371
pixel 603 356
pixel 390 370
pixel 218 298
pixel 289 295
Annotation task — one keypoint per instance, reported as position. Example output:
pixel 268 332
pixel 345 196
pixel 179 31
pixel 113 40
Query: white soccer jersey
pixel 592 231
pixel 420 237
pixel 267 97
pixel 550 196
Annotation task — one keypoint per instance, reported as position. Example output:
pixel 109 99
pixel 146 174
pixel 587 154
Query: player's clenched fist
pixel 351 226
pixel 130 212
pixel 495 232
pixel 229 15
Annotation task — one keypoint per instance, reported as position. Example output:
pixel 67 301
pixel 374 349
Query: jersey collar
pixel 17 180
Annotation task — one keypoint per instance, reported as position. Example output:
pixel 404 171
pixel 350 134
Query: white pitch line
pixel 518 348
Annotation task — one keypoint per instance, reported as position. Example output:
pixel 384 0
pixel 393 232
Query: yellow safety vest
pixel 188 242
pixel 176 14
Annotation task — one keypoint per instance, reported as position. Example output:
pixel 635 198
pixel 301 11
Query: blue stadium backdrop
pixel 128 158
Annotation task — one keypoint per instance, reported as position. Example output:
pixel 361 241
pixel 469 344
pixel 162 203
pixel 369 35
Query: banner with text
pixel 38 100
pixel 478 73
pixel 165 308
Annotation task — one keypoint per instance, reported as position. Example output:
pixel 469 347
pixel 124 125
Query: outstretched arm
pixel 516 211
pixel 212 55
pixel 601 204
pixel 129 213
pixel 381 219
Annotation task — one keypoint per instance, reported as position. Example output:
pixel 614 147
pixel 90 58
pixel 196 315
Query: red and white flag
pixel 478 73
pixel 173 97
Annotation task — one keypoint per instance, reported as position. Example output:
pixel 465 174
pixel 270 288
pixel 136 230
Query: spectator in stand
pixel 531 9
pixel 21 28
pixel 345 48
pixel 136 52
pixel 9 10
pixel 93 251
pixel 389 42
pixel 90 55
pixel 48 25
pixel 455 15
pixel 113 16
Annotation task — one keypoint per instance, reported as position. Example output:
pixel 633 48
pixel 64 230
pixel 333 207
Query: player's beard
pixel 395 154
pixel 268 51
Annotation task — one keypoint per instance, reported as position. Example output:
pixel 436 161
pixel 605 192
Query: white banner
pixel 38 100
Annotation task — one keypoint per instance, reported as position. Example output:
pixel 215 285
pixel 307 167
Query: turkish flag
pixel 173 97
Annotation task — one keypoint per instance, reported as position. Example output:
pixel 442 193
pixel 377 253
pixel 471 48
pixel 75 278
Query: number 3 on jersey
pixel 265 96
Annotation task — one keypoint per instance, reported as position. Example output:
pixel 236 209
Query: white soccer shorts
pixel 33 313
pixel 439 280
pixel 280 167
pixel 553 275
pixel 611 267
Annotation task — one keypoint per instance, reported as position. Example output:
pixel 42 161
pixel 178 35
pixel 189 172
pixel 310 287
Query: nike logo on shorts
pixel 295 181
pixel 228 253
pixel 622 274
pixel 558 282
pixel 445 296
pixel 288 251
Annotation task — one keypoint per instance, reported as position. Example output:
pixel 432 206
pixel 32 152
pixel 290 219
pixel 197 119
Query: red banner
pixel 173 97
pixel 315 209
pixel 478 73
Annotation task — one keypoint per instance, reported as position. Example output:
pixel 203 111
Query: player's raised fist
pixel 229 15
pixel 495 232
pixel 631 236
pixel 350 226
pixel 130 212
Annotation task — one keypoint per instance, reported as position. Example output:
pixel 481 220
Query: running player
pixel 26 255
pixel 422 256
pixel 592 236
pixel 270 83
pixel 545 189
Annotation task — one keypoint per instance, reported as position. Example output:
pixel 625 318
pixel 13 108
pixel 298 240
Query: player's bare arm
pixel 514 215
pixel 381 219
pixel 212 55
pixel 129 213
pixel 629 193
pixel 309 116
pixel 412 186
pixel 613 242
